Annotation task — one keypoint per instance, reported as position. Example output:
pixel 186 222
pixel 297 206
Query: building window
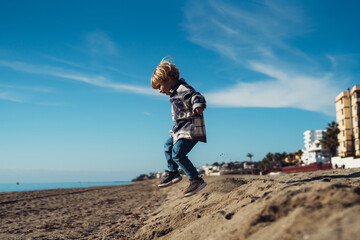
pixel 342 122
pixel 343 133
pixel 342 111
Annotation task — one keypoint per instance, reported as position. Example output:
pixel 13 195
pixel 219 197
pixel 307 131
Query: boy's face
pixel 165 86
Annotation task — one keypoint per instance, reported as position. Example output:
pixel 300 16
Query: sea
pixel 17 187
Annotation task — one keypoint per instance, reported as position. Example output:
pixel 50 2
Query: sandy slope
pixel 314 205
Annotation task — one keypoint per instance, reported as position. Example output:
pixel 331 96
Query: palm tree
pixel 268 161
pixel 278 159
pixel 249 155
pixel 329 142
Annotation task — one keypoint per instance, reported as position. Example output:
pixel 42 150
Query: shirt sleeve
pixel 197 100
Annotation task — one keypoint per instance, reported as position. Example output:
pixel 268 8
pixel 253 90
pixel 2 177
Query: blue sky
pixel 75 96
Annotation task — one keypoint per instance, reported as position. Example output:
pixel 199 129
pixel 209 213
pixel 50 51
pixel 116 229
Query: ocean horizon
pixel 20 187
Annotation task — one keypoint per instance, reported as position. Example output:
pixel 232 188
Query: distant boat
pixel 17 183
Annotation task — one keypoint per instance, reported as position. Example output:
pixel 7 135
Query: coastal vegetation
pixel 330 141
pixel 271 160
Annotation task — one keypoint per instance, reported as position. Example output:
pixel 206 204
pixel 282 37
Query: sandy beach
pixel 311 205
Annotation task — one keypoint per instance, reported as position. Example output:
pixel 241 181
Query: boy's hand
pixel 199 111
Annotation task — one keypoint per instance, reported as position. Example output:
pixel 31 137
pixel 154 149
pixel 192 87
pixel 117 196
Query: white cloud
pixel 111 68
pixel 255 35
pixel 9 97
pixel 99 43
pixel 99 81
pixel 280 89
pixel 36 89
pixel 250 27
pixel 59 60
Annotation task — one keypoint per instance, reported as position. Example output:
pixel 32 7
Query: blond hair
pixel 164 71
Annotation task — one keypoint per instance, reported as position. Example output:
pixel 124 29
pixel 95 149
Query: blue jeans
pixel 176 155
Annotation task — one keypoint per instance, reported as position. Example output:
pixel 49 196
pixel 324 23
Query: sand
pixel 312 205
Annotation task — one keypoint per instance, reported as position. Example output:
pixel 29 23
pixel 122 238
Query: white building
pixel 249 165
pixel 160 174
pixel 312 152
pixel 349 162
pixel 210 170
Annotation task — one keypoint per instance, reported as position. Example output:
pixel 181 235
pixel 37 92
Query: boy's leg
pixel 173 175
pixel 168 147
pixel 179 155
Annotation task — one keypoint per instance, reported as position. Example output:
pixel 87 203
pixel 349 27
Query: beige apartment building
pixel 347 116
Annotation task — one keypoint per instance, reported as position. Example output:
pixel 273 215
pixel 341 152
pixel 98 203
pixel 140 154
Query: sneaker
pixel 170 179
pixel 195 185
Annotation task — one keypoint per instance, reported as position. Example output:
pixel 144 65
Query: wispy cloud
pixel 19 93
pixel 256 35
pixel 95 80
pixel 59 60
pixel 99 43
pixel 28 88
pixel 9 97
pixel 126 74
pixel 251 27
pixel 98 66
pixel 51 104
pixel 280 88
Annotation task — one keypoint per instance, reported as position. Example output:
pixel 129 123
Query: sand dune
pixel 313 205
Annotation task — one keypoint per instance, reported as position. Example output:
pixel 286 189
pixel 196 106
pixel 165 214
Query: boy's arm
pixel 198 103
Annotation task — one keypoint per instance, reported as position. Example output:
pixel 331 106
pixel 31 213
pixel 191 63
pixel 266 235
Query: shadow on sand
pixel 326 177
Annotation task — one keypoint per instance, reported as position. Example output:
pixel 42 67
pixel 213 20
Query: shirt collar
pixel 176 86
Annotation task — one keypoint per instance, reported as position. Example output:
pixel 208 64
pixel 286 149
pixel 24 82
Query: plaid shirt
pixel 184 100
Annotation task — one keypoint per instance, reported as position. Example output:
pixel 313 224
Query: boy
pixel 187 113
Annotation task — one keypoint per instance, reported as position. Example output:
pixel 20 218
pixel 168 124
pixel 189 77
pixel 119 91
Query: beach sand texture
pixel 311 205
